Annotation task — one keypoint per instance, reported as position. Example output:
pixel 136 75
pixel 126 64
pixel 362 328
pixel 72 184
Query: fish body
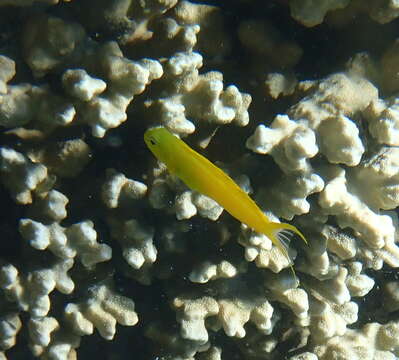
pixel 198 173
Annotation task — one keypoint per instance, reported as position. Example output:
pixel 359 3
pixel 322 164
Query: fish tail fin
pixel 291 228
pixel 279 234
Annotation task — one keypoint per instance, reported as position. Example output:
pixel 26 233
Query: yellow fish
pixel 201 175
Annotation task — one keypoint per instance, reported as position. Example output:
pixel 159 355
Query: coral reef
pixel 311 13
pixel 101 242
pixel 382 336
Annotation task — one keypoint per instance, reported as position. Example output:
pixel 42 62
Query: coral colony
pixel 102 248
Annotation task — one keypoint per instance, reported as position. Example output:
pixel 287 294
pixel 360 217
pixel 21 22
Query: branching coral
pixel 7 72
pixel 311 13
pixel 20 175
pixel 232 315
pixel 77 91
pixel 136 241
pixel 78 240
pixel 10 324
pixel 197 96
pixel 30 291
pixel 383 338
pixel 383 118
pixel 103 310
pixel 118 189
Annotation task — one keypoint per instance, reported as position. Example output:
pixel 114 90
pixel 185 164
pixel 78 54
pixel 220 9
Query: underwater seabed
pixel 103 251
